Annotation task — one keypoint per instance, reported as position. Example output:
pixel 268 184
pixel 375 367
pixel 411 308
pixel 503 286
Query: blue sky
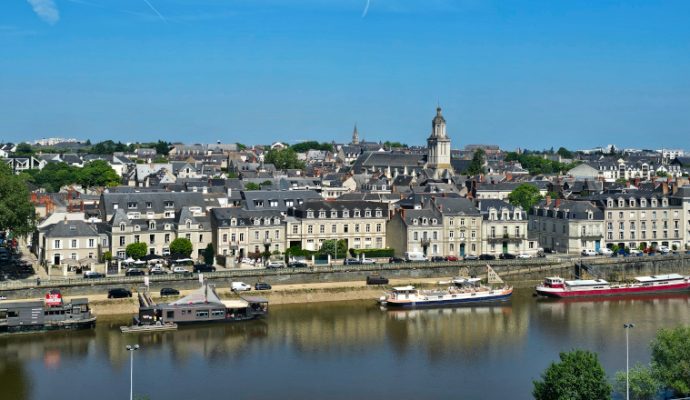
pixel 531 73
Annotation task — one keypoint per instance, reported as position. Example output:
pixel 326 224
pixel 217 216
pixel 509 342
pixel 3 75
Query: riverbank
pixel 280 294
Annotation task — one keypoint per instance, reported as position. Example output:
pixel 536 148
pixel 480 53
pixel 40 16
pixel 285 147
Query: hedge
pixel 388 252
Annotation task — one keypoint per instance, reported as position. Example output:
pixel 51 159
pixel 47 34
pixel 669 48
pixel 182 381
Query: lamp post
pixel 627 363
pixel 131 350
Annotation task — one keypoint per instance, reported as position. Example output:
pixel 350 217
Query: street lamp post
pixel 627 363
pixel 131 350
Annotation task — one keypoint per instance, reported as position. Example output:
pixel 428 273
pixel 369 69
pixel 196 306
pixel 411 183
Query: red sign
pixel 53 299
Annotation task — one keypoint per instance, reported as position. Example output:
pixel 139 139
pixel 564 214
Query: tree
pixel 97 173
pixel 136 250
pixel 661 174
pixel 55 175
pixel 16 211
pixel 578 376
pixel 303 147
pixel 476 166
pixel 643 386
pixel 329 247
pixel 162 148
pixel 181 246
pixel 23 149
pixel 241 146
pixel 107 256
pixel 671 359
pixel 565 153
pixel 209 254
pixel 252 186
pixel 283 158
pixel 525 196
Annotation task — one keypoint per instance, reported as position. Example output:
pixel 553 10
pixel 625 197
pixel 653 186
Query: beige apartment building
pixel 567 226
pixel 238 232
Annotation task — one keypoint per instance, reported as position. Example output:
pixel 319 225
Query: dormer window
pixel 415 221
pixel 334 214
pixel 233 222
pixel 632 203
pixel 425 221
pixel 322 214
pixel 346 213
pixel 357 213
pixel 643 202
pixel 654 204
pixel 664 202
pixel 267 221
pixel 621 203
pixel 131 205
pixel 367 213
pixel 610 203
pixel 152 225
pixel 122 227
pixel 590 215
pixel 310 214
pixel 257 221
pixel 276 220
pixel 137 227
pixel 169 204
pixel 189 224
pixel 434 221
pixel 149 204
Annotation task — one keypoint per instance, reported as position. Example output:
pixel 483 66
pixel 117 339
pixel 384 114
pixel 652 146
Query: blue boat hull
pixel 450 302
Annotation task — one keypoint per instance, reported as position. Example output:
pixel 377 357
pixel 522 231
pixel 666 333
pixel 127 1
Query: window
pixel 379 214
pixel 74 244
pixel 378 227
pixel 322 214
pixel 131 205
pixel 167 238
pixel 356 228
pixel 310 229
pixel 322 228
pixel 122 227
pixel 276 234
pixel 149 204
pixel 122 240
pixel 346 228
pixel 367 228
pixel 357 213
pixel 56 244
pixel 92 242
pixel 415 236
pixel 169 204
pixel 450 235
pixel 367 213
pixel 415 221
pixel 310 214
pixel 233 237
pixel 152 239
pixel 256 235
pixel 136 238
pixel 225 238
pixel 294 229
pixel 346 214
pixel 334 228
pixel 152 225
pixel 334 214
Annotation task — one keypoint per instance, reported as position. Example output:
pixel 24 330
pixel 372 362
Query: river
pixel 349 350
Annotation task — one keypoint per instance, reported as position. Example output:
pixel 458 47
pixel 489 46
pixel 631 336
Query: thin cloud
pixel 366 9
pixel 46 10
pixel 156 11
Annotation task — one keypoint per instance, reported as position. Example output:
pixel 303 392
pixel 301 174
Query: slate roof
pixel 71 229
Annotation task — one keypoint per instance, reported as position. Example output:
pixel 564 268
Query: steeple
pixel 355 136
pixel 438 145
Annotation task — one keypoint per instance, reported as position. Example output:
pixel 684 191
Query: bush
pixel 136 250
pixel 181 246
pixel 387 252
pixel 297 251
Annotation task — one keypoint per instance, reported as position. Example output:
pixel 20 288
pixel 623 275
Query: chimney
pixel 548 199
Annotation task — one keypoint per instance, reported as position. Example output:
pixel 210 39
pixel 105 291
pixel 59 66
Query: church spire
pixel 355 135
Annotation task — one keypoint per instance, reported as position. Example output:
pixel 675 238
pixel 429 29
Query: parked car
pixel 415 256
pixel 298 264
pixel 395 260
pixel 180 270
pixel 135 272
pixel 351 261
pixel 438 259
pixel 247 261
pixel 168 291
pixel 93 275
pixel 507 256
pixel 636 252
pixel 486 257
pixel 157 270
pixel 275 264
pixel 204 268
pixel 118 293
pixel 365 260
pixel 452 258
pixel 262 286
pixel 663 249
pixel 588 252
pixel 470 257
pixel 376 280
pixel 605 251
pixel 524 256
pixel 239 287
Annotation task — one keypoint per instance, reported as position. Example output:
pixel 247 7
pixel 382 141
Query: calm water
pixel 339 351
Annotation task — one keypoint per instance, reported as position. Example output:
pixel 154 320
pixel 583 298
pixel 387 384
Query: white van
pixel 239 287
pixel 415 256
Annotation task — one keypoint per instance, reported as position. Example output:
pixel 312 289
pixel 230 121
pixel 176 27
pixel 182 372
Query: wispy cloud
pixel 10 30
pixel 46 10
pixel 366 9
pixel 155 10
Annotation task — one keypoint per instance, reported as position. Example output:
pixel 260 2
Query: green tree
pixel 303 147
pixel 16 211
pixel 209 254
pixel 394 145
pixel 241 146
pixel 525 196
pixel 661 174
pixel 162 148
pixel 578 376
pixel 283 158
pixel 476 166
pixel 671 359
pixel 107 256
pixel 252 186
pixel 55 175
pixel 24 149
pixel 136 250
pixel 565 153
pixel 329 247
pixel 266 183
pixel 181 246
pixel 97 173
pixel 643 385
pixel 160 160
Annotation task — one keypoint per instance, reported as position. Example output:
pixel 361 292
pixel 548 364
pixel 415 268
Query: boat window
pixel 218 313
pixel 12 314
pixel 76 310
pixel 171 314
pixel 3 314
pixel 202 314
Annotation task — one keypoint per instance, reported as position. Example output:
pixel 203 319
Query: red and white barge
pixel 559 287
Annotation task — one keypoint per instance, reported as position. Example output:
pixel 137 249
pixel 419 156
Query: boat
pixel 561 288
pixel 460 291
pixel 51 313
pixel 157 327
pixel 200 306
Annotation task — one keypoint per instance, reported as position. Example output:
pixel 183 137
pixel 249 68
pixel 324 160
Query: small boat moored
pixel 52 313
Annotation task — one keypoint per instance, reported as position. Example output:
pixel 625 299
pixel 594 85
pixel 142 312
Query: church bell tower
pixel 438 144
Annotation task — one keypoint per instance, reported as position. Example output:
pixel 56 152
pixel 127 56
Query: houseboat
pixel 560 288
pixel 461 291
pixel 52 313
pixel 201 306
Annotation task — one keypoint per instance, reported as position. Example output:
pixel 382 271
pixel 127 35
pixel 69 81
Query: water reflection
pixel 409 352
